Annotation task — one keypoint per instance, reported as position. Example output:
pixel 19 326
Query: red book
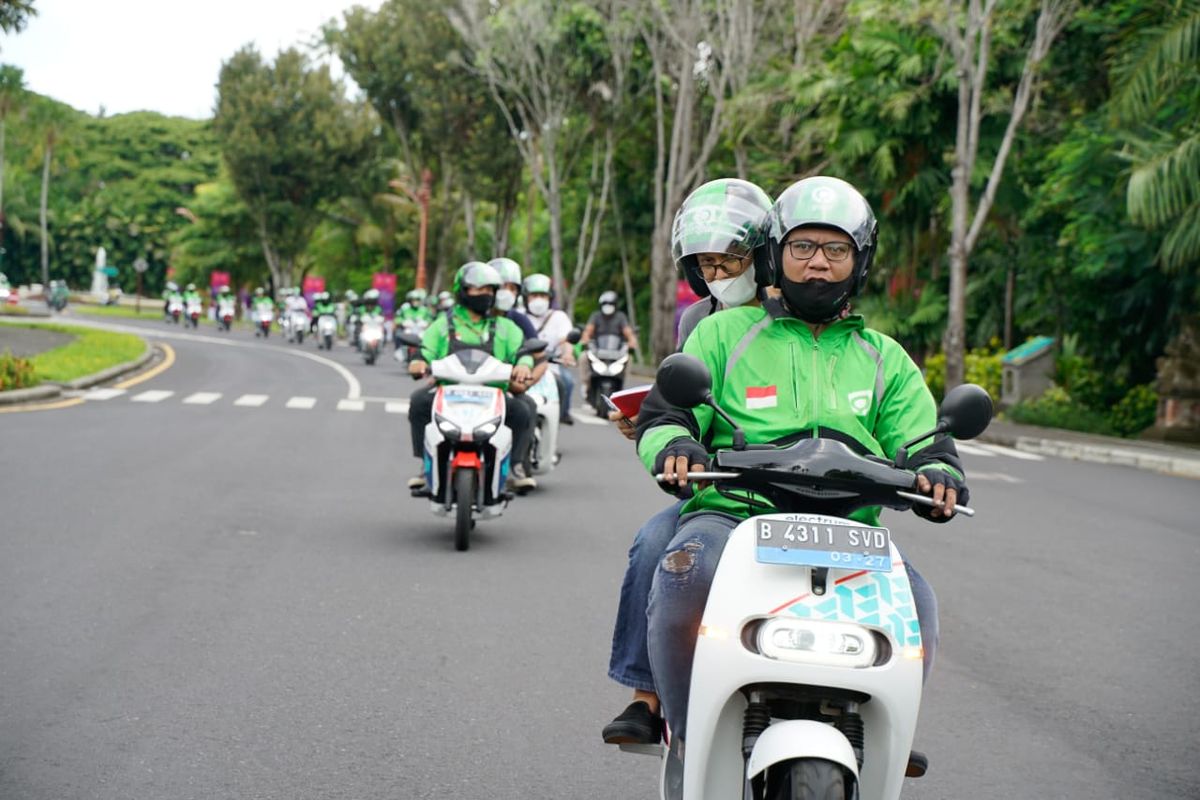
pixel 629 401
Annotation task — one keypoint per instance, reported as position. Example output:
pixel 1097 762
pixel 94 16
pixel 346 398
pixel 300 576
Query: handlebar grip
pixel 925 500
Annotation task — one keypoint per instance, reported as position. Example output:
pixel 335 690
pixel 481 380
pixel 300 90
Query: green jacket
pixel 322 308
pixel 778 382
pixel 506 341
pixel 414 313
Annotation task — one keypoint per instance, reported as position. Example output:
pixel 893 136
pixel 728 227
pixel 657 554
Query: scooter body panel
pixel 545 394
pixel 745 590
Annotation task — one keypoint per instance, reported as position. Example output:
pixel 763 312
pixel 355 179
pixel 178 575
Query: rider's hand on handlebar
pixel 417 368
pixel 679 458
pixel 945 489
pixel 521 376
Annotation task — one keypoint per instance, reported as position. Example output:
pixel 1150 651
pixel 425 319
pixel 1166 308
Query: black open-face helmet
pixel 829 203
pixel 722 216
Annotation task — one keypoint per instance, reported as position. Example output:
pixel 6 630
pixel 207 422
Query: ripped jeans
pixel 679 591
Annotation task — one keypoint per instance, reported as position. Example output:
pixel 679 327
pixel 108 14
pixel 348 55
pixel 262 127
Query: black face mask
pixel 816 301
pixel 479 303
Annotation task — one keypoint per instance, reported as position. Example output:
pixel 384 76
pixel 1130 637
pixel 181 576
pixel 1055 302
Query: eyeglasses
pixel 730 267
pixel 803 249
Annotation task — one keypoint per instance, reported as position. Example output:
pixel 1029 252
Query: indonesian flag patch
pixel 761 397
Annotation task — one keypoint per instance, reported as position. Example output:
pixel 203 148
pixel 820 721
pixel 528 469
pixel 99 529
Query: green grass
pixel 90 352
pixel 12 311
pixel 150 308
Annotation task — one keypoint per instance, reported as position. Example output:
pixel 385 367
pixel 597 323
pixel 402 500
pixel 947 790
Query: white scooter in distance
pixel 543 452
pixel 807 674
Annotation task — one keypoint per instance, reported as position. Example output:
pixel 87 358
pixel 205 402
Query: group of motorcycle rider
pixel 789 360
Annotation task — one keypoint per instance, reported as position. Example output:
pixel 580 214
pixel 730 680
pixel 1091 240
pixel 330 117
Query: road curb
pixel 50 390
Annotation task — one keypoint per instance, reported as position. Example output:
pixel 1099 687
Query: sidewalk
pixel 1169 459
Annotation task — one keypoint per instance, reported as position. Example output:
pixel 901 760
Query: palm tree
pixel 1156 97
pixel 52 126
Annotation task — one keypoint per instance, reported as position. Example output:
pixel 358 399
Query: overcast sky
pixel 157 55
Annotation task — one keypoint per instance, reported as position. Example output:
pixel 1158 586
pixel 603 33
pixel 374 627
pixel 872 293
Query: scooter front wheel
pixel 806 779
pixel 464 497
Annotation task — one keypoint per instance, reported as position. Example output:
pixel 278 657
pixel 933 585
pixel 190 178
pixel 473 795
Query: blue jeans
pixel 679 591
pixel 629 664
pixel 565 376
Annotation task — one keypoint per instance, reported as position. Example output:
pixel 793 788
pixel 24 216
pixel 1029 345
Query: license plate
pixel 813 540
pixel 468 396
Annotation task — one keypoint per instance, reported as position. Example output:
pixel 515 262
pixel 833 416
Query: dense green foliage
pixel 16 372
pixel 1092 238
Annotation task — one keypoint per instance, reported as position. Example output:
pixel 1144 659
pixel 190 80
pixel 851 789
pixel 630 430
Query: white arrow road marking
pixel 251 400
pixel 202 398
pixel 588 419
pixel 396 407
pixel 351 405
pixel 152 396
pixel 103 394
pixel 302 402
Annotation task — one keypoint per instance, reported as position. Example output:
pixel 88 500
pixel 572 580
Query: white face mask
pixel 505 299
pixel 608 310
pixel 539 305
pixel 732 292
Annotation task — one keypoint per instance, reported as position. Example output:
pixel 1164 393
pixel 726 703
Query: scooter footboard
pixel 801 738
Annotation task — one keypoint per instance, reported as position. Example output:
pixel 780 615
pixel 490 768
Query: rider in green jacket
pixel 801 366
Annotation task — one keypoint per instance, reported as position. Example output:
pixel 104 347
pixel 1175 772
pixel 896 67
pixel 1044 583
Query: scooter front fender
pixel 801 738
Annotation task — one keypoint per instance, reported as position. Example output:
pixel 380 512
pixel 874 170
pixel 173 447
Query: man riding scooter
pixel 470 325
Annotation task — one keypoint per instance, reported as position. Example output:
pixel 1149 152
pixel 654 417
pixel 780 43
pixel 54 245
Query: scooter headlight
pixel 448 428
pixel 487 429
pixel 831 644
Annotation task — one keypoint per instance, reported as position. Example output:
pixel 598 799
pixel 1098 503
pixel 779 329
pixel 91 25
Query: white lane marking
pixel 302 402
pixel 103 394
pixel 202 398
pixel 588 419
pixel 351 405
pixel 251 400
pixel 1008 451
pixel 397 407
pixel 992 476
pixel 152 396
pixel 973 450
pixel 354 388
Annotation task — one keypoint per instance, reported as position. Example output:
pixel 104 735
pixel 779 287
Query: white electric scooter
pixel 807 674
pixel 225 309
pixel 467 445
pixel 370 338
pixel 326 331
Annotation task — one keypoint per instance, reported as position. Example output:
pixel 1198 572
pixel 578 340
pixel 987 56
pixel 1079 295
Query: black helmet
pixel 830 203
pixel 722 216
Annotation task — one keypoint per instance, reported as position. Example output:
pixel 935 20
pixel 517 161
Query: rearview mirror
pixel 965 411
pixel 684 381
pixel 574 336
pixel 531 347
pixel 408 339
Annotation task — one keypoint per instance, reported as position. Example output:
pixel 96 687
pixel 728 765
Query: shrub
pixel 1135 411
pixel 982 366
pixel 15 372
pixel 1056 409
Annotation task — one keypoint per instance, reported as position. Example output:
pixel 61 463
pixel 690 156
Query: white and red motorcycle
pixel 807 674
pixel 467 445
pixel 370 338
pixel 225 308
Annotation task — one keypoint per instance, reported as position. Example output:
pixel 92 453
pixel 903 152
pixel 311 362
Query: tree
pixel 289 138
pixel 51 124
pixel 967 27
pixel 15 14
pixel 12 98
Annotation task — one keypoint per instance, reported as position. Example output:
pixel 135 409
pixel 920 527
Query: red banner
pixel 217 279
pixel 385 282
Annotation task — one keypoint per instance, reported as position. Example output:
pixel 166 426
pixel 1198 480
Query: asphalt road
pixel 207 599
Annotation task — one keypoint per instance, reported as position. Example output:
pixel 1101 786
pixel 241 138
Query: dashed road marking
pixel 973 450
pixel 251 400
pixel 151 396
pixel 396 407
pixel 351 405
pixel 305 403
pixel 1000 449
pixel 202 398
pixel 103 394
